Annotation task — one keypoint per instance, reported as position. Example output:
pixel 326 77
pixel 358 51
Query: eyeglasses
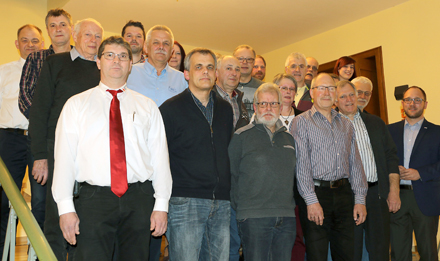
pixel 314 68
pixel 322 88
pixel 415 100
pixel 367 93
pixel 111 56
pixel 263 105
pixel 243 59
pixel 285 88
pixel 294 66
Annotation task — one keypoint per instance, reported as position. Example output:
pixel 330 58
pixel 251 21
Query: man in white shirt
pixel 13 125
pixel 116 180
pixel 296 65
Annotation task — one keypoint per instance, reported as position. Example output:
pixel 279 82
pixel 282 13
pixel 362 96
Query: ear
pixel 255 108
pixel 42 44
pixel 285 69
pixel 216 73
pixel 426 105
pixel 186 74
pixel 16 44
pixel 98 63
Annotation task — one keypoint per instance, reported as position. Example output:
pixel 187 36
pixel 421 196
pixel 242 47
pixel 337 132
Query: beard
pixel 268 123
pixel 136 49
pixel 415 115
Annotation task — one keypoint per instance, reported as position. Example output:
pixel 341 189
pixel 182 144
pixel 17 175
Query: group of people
pixel 128 138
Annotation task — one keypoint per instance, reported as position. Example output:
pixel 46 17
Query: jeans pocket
pixel 179 200
pixel 241 220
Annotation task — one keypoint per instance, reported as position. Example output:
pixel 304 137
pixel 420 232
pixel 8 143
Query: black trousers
pixel 107 220
pixel 338 226
pixel 408 219
pixel 377 228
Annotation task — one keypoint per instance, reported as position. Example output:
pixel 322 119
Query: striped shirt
pixel 232 100
pixel 29 77
pixel 327 151
pixel 364 146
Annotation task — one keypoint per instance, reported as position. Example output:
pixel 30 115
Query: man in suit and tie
pixel 418 149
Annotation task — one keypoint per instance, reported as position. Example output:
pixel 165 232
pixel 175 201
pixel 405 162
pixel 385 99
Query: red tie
pixel 117 148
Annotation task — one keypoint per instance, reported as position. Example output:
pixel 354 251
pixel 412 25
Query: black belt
pixel 372 184
pixel 408 187
pixel 330 184
pixel 19 131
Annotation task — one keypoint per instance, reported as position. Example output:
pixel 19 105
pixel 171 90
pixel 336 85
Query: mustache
pixel 160 51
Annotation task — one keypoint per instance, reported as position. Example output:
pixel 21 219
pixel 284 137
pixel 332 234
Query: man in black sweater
pixel 198 126
pixel 62 76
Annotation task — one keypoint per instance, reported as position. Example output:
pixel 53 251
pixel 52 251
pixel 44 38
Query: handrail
pixel 30 225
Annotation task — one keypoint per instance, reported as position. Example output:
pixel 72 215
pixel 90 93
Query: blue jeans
pixel 267 238
pixel 234 248
pixel 198 229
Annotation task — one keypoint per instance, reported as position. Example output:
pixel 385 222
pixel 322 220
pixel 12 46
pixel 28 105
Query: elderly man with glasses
pixel 364 89
pixel 329 171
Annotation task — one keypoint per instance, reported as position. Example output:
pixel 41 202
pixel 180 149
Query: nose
pixel 93 38
pixel 361 95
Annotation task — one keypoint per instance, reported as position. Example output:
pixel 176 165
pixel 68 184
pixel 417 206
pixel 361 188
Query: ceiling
pixel 223 25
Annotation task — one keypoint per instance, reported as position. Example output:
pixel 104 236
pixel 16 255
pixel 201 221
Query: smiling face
pixel 159 46
pixel 29 40
pixel 346 71
pixel 297 68
pixel 245 67
pixel 412 110
pixel 259 70
pixel 347 100
pixel 228 74
pixel 88 39
pixel 114 70
pixel 135 37
pixel 176 58
pixel 59 30
pixel 312 68
pixel 201 76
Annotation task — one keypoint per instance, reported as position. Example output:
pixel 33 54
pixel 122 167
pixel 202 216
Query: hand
pixel 315 214
pixel 69 224
pixel 158 223
pixel 409 174
pixel 401 168
pixel 393 201
pixel 359 213
pixel 40 170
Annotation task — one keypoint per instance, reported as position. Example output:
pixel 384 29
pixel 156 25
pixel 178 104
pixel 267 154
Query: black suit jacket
pixel 384 150
pixel 425 158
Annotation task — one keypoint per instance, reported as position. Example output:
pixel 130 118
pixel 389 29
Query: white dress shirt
pixel 82 146
pixel 10 115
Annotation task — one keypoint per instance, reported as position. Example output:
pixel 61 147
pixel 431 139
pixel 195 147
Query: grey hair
pixel 267 87
pixel 277 79
pixel 200 50
pixel 78 24
pixel 160 27
pixel 362 79
pixel 295 56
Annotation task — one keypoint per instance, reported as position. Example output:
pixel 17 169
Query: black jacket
pixel 198 152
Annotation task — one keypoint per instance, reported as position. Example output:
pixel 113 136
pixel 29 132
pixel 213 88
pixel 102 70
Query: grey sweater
pixel 262 172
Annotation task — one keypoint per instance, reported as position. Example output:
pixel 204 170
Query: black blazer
pixel 425 158
pixel 384 150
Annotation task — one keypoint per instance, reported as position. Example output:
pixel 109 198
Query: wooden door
pixel 369 64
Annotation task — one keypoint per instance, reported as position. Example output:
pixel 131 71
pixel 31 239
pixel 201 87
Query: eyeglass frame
pixel 366 93
pixel 241 59
pixel 410 100
pixel 114 56
pixel 263 105
pixel 324 87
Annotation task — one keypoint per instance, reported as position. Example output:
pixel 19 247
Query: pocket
pixel 179 201
pixel 86 192
pixel 241 220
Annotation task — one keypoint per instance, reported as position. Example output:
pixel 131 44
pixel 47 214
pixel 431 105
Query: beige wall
pixel 410 40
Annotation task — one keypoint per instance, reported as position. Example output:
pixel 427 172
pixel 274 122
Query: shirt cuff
pixel 311 199
pixel 161 205
pixel 359 199
pixel 65 206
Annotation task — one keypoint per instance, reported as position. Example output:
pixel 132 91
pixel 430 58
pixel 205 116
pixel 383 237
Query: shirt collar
pixel 225 94
pixel 104 88
pixel 356 116
pixel 417 124
pixel 303 88
pixel 21 61
pixel 151 69
pixel 314 111
pixel 75 54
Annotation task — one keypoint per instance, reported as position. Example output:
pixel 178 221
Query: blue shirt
pixel 144 80
pixel 410 133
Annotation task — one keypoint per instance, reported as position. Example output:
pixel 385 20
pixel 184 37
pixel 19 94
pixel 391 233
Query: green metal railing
pixel 30 225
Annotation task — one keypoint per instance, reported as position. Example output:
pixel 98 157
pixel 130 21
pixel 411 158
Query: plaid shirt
pixel 29 78
pixel 207 111
pixel 232 100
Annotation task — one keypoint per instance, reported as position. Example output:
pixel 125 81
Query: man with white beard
pixel 262 158
pixel 364 89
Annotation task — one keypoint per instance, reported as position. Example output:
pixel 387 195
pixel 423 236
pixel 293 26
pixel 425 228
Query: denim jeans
pixel 267 238
pixel 234 248
pixel 198 229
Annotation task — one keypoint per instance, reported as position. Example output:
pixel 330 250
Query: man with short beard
pixel 262 156
pixel 259 70
pixel 134 33
pixel 418 149
pixel 364 89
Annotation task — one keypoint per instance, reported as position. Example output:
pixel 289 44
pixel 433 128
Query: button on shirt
pixel 410 133
pixel 82 147
pixel 364 146
pixel 10 115
pixel 327 151
pixel 144 79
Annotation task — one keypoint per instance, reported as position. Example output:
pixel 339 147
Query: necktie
pixel 118 162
